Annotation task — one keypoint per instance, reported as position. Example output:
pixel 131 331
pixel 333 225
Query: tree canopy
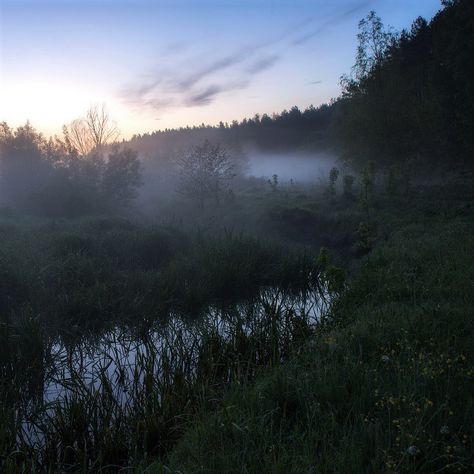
pixel 411 95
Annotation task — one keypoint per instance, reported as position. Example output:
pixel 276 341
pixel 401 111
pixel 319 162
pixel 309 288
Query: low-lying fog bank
pixel 296 166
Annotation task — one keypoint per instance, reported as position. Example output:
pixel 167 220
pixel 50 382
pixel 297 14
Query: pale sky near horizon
pixel 164 64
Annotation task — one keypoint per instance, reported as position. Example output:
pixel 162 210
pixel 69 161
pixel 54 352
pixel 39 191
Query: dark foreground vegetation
pixel 118 353
pixel 250 324
pixel 384 385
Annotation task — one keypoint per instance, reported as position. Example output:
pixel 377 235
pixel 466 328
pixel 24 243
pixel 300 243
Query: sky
pixel 165 64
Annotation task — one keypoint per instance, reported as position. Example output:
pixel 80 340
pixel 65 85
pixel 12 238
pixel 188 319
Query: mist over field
pixel 293 166
pixel 197 276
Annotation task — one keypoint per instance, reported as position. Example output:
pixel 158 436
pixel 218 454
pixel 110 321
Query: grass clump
pixel 386 386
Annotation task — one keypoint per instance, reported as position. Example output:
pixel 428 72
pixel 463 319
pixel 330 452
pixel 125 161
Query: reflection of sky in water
pixel 118 361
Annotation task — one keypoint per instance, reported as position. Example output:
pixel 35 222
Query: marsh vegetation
pixel 282 294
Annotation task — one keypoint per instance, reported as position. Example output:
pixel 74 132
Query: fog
pixel 294 166
pixel 160 177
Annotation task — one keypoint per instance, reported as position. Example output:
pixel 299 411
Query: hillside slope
pixel 386 386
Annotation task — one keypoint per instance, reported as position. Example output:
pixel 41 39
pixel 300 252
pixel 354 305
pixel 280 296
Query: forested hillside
pixel 408 99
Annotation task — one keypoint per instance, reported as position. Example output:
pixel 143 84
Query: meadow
pixel 129 343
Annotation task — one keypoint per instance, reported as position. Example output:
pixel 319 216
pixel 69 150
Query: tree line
pixel 408 99
pixel 289 130
pixel 410 95
pixel 70 175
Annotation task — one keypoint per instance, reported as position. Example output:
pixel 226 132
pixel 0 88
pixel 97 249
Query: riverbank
pixel 386 386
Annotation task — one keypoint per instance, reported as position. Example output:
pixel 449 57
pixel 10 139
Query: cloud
pixel 199 87
pixel 204 97
pixel 208 94
pixel 190 90
pixel 332 21
pixel 159 103
pixel 262 63
pixel 217 65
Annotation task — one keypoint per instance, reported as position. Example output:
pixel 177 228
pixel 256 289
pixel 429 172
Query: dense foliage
pixel 50 177
pixel 289 130
pixel 410 95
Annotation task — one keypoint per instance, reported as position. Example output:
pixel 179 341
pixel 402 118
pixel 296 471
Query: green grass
pixel 102 271
pixel 383 385
pixel 387 386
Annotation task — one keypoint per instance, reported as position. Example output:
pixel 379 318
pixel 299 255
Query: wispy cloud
pixel 262 63
pixel 181 87
pixel 330 22
pixel 216 66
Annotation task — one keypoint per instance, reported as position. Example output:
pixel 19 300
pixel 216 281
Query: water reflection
pixel 120 370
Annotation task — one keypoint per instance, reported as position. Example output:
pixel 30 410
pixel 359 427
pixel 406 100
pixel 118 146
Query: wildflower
pixel 413 451
pixel 385 359
pixel 444 430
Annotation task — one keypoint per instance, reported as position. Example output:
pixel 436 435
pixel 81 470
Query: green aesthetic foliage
pixel 386 386
pixel 410 95
pixel 267 385
pixel 49 177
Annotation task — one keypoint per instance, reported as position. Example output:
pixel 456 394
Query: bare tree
pixel 101 128
pixel 93 132
pixel 205 172
pixel 79 137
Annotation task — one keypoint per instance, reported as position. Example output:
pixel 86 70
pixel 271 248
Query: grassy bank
pixel 113 334
pixel 385 386
pixel 202 344
pixel 100 272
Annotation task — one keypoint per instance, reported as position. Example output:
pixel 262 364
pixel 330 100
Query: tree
pixel 205 172
pixel 365 113
pixel 49 177
pixel 374 42
pixel 122 176
pixel 101 128
pixel 23 166
pixel 79 137
pixel 93 132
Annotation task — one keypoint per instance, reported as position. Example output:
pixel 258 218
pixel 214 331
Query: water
pixel 123 367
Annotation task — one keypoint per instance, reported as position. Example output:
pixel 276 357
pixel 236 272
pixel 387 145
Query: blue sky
pixel 159 64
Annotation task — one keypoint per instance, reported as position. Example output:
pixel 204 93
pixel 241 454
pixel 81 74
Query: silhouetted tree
pixel 23 167
pixel 50 177
pixel 285 131
pixel 93 132
pixel 79 136
pixel 122 176
pixel 410 97
pixel 205 172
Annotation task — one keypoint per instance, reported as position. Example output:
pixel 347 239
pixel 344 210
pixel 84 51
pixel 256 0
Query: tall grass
pixel 98 272
pixel 128 396
pixel 126 346
pixel 385 387
pixel 113 335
